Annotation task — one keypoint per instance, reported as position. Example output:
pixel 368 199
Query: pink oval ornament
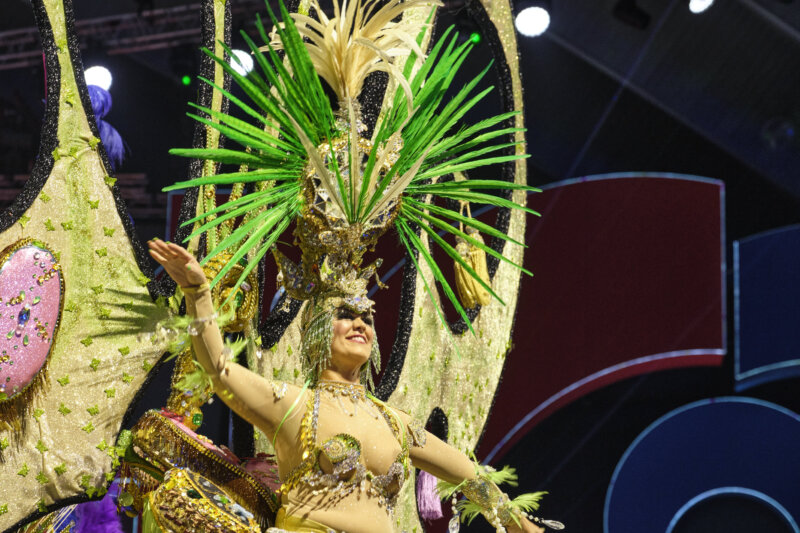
pixel 31 292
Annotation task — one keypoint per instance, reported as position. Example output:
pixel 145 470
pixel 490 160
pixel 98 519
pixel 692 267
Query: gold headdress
pixel 317 166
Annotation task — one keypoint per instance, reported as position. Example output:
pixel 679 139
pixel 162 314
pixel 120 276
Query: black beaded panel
pixel 291 6
pixel 273 327
pixel 371 99
pixel 408 290
pixel 397 357
pixel 208 34
pixel 438 424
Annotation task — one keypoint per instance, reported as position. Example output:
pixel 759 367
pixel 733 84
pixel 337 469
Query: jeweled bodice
pixel 368 454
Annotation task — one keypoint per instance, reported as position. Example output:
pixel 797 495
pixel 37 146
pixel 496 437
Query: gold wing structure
pixel 462 376
pixel 59 430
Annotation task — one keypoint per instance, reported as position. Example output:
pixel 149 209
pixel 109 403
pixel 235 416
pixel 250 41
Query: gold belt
pixel 286 524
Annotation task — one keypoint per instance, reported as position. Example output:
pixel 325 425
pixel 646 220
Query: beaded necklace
pixel 354 391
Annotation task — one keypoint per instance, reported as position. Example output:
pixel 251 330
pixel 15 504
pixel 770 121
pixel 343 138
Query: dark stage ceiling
pixel 702 94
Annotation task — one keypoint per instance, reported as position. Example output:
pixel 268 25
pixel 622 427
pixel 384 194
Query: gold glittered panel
pixel 464 385
pixel 206 199
pixel 97 363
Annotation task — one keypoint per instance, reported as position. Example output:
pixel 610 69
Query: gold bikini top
pixel 344 452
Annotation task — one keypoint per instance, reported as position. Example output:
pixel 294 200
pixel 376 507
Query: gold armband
pixel 483 496
pixel 491 502
pixel 417 433
pixel 194 289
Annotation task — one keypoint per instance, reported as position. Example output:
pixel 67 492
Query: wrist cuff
pixel 194 289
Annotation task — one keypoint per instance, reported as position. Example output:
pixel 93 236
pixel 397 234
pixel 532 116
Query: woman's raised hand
pixel 179 263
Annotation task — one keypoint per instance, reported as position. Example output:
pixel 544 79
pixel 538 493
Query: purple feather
pixel 428 503
pixel 98 517
pixel 101 101
pixel 110 137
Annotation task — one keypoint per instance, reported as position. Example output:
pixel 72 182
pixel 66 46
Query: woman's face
pixel 352 338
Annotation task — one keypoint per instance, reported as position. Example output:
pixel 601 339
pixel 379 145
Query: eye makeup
pixel 346 314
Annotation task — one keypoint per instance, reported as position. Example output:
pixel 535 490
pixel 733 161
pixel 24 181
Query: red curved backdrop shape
pixel 629 274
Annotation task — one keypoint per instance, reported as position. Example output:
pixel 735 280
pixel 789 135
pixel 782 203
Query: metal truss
pixel 123 34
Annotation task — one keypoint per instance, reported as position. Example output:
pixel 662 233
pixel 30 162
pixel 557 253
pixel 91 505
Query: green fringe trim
pixel 199 378
pixel 524 503
pixel 175 329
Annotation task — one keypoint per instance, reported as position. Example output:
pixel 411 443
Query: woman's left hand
pixel 525 526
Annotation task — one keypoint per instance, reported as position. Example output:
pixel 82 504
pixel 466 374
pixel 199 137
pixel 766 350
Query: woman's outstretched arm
pixel 254 398
pixel 449 464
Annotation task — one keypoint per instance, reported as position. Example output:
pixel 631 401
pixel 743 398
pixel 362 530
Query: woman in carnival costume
pixel 342 454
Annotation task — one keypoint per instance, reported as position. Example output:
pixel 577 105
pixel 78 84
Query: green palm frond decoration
pixel 305 155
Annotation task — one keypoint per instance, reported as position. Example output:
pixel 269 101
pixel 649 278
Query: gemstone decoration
pixel 30 314
pixel 24 315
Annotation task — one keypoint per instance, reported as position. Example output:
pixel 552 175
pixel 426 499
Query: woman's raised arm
pixel 254 398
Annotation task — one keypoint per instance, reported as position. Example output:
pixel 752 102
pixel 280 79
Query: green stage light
pixel 186 80
pixel 475 37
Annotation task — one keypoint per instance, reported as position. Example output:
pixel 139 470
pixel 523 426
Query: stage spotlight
pixel 99 76
pixel 245 63
pixel 186 79
pixel 698 6
pixel 533 17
